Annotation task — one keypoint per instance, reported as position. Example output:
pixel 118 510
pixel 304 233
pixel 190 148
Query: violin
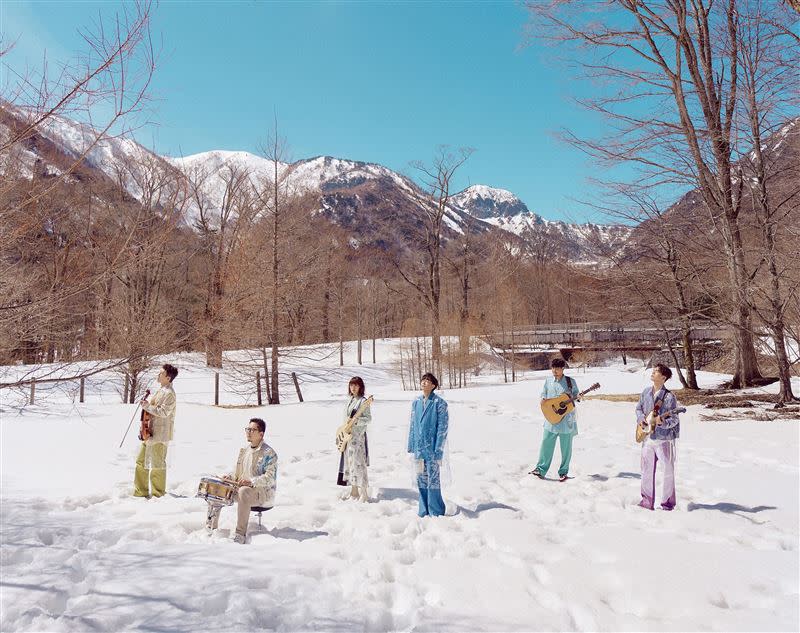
pixel 145 430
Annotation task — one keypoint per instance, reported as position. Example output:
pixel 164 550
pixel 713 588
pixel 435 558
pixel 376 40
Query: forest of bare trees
pixel 701 94
pixel 691 91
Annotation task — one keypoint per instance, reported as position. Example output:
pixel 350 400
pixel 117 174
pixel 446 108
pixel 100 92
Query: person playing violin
pixel 150 476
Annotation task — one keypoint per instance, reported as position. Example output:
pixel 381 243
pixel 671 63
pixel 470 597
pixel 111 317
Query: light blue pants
pixel 430 492
pixel 549 447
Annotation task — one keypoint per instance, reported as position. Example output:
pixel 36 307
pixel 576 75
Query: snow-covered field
pixel 515 554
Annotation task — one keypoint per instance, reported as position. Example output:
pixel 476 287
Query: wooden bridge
pixel 535 341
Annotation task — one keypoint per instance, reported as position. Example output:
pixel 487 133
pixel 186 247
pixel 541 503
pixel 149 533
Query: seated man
pixel 255 474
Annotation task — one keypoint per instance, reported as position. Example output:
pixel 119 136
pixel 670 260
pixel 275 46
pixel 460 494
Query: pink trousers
pixel 652 453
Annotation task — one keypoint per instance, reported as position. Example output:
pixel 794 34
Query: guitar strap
pixel 661 392
pixel 355 407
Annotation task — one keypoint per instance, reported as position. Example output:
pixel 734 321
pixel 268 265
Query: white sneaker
pixel 241 539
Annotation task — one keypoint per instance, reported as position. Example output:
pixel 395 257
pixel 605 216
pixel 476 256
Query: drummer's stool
pixel 260 509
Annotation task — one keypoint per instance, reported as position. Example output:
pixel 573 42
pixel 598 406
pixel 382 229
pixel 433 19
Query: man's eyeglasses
pixel 250 429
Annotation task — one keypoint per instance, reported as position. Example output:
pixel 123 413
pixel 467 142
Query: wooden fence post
pixel 33 390
pixel 83 382
pixel 258 387
pixel 297 386
pixel 266 376
pixel 216 388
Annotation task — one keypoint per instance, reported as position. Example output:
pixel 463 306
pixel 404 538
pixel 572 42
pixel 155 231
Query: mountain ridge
pixel 354 194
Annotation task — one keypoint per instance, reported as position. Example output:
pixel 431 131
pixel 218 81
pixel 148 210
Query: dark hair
pixel 430 377
pixel 558 362
pixel 356 380
pixel 171 370
pixel 262 426
pixel 664 371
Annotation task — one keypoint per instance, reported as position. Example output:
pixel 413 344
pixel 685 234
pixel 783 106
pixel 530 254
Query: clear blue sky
pixel 383 82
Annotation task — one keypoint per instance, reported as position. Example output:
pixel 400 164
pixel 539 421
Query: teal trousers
pixel 549 446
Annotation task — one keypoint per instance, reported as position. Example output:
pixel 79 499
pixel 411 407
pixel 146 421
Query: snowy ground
pixel 517 554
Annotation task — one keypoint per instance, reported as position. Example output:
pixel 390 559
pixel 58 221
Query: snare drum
pixel 216 491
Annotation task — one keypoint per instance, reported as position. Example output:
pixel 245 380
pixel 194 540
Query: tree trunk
pixel 358 324
pixel 326 302
pixel 275 390
pixel 747 372
pixel 266 375
pixel 341 333
pixel 688 357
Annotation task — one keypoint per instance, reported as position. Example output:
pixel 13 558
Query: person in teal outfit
pixel 564 431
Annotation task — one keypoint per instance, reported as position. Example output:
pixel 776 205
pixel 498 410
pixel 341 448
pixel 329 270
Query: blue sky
pixel 383 82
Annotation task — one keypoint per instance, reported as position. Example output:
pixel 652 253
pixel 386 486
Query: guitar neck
pixel 358 413
pixel 585 391
pixel 669 414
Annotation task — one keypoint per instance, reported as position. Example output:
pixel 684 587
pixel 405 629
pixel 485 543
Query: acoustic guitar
pixel 555 409
pixel 642 433
pixel 345 432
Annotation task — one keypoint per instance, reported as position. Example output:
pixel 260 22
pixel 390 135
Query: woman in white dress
pixel 354 461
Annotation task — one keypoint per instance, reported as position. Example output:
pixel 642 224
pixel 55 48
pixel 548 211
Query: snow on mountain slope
pixel 503 209
pixel 351 193
pixel 324 173
pixel 488 202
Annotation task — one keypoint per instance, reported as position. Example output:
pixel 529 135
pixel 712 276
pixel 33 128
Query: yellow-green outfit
pixel 150 478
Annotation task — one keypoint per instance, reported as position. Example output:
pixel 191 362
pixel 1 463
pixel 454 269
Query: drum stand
pixel 260 509
pixel 213 514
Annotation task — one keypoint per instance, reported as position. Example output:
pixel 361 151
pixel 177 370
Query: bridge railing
pixel 605 333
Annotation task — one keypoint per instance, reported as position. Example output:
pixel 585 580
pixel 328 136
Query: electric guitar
pixel 345 432
pixel 555 409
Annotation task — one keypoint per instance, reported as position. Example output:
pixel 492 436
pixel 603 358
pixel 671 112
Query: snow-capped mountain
pixel 369 200
pixel 574 242
pixel 488 202
pixel 59 142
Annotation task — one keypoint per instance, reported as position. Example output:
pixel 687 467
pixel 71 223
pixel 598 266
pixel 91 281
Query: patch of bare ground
pixel 238 406
pixel 751 406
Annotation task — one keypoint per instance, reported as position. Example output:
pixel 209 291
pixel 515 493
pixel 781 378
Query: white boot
pixel 364 496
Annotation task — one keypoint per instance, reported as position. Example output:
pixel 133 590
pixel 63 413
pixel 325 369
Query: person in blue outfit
pixel 565 430
pixel 427 435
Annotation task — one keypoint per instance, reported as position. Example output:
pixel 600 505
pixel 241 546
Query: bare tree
pixel 104 87
pixel 679 62
pixel 223 202
pixel 768 62
pixel 273 195
pixel 431 209
pixel 140 320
